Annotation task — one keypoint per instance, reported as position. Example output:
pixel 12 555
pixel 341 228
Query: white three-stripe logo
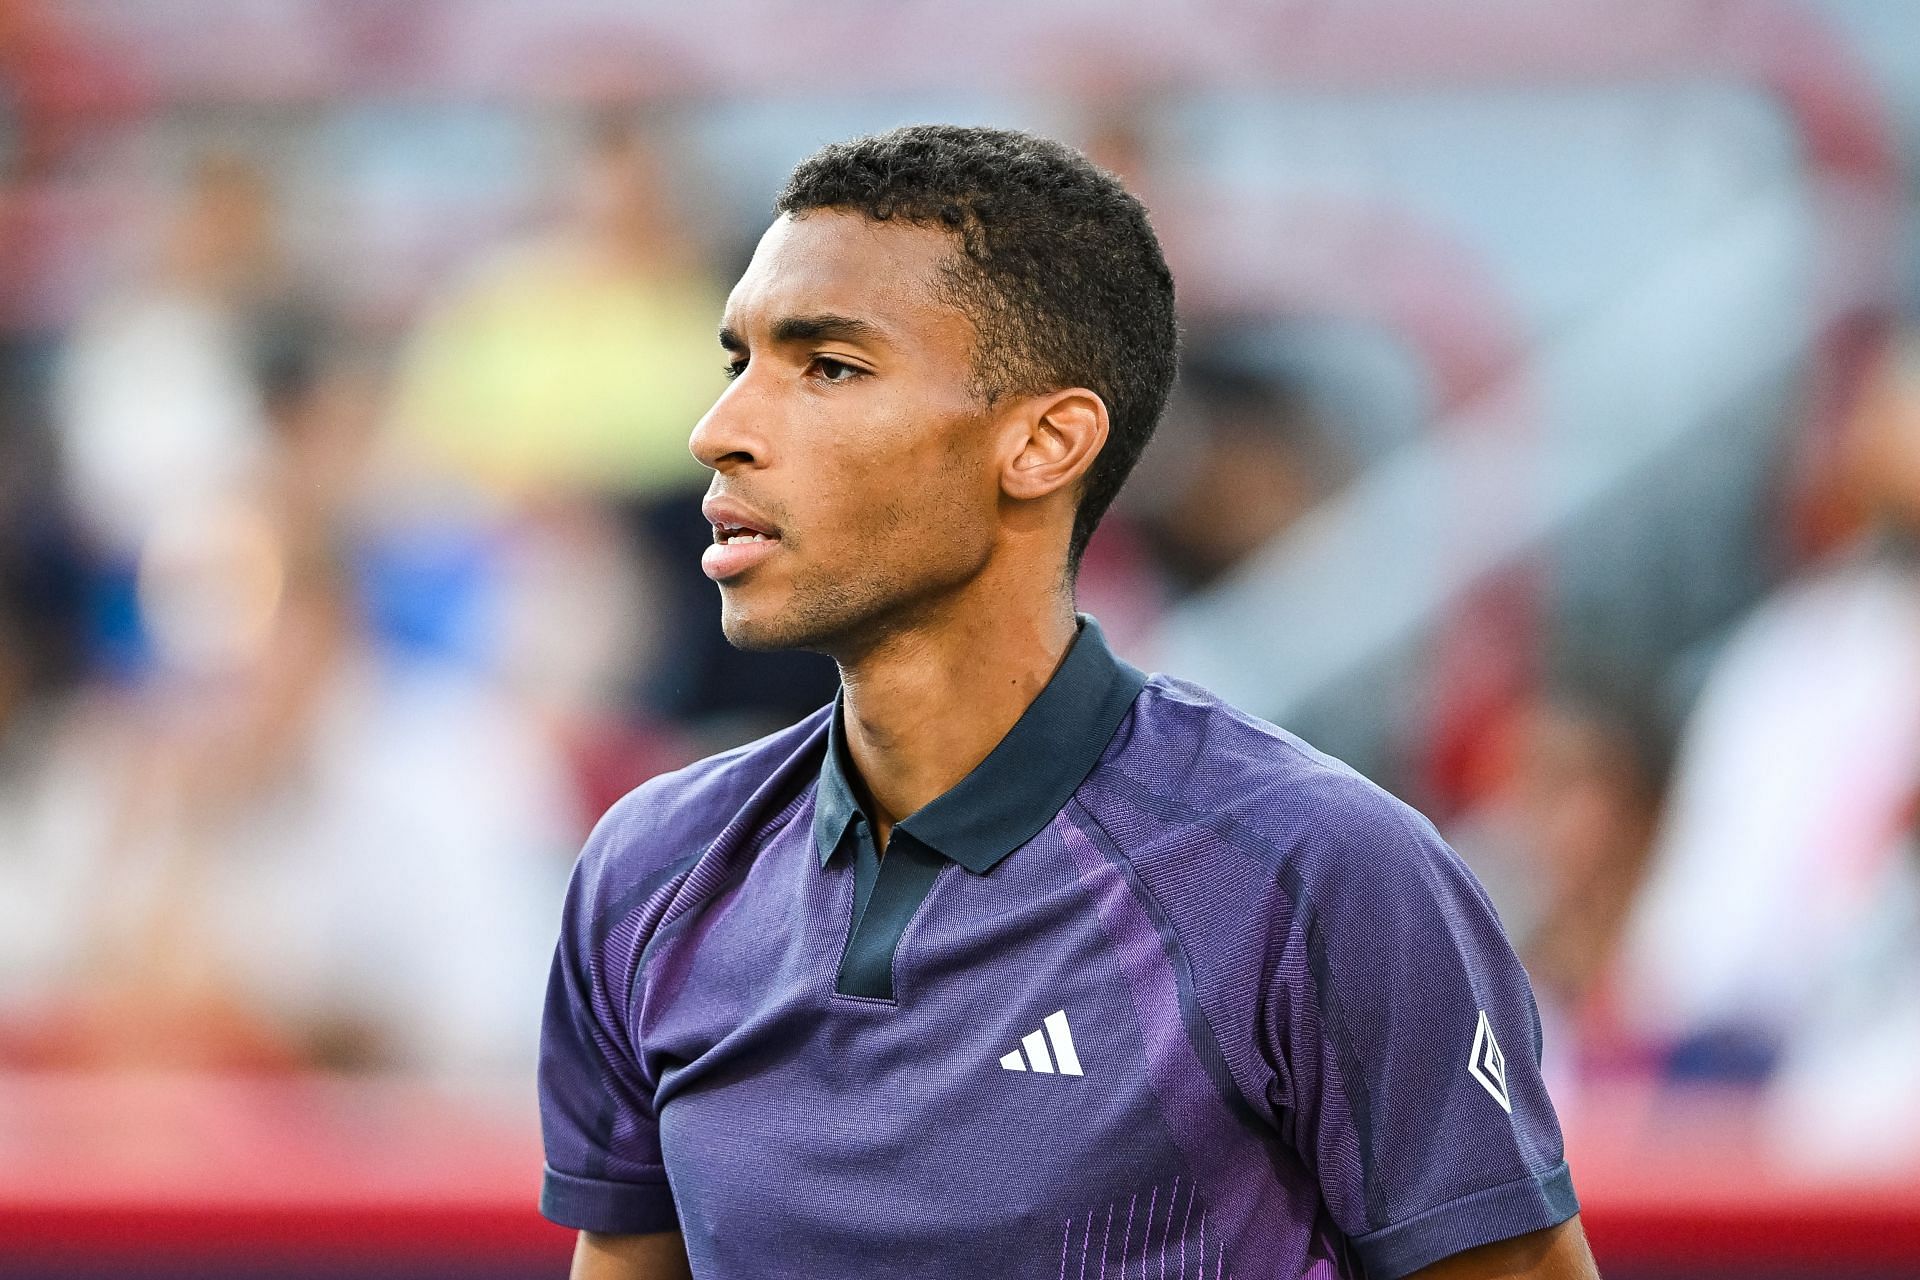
pixel 1053 1032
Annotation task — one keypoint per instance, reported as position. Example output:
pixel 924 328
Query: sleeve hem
pixel 615 1208
pixel 1499 1213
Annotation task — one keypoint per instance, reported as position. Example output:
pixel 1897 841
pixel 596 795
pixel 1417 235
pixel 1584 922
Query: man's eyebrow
pixel 826 325
pixel 811 328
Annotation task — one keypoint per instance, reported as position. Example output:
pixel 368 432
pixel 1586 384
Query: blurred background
pixel 1547 446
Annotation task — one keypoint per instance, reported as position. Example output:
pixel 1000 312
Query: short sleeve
pixel 1406 1048
pixel 604 1171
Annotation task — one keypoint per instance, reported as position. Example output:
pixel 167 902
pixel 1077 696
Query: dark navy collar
pixel 1022 783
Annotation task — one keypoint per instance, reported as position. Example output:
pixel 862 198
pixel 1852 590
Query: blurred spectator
pixel 1566 798
pixel 1780 920
pixel 564 377
pixel 41 625
pixel 1241 457
pixel 161 416
pixel 579 360
pixel 40 605
pixel 309 853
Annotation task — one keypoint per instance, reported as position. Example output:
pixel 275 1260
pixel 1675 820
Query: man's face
pixel 852 439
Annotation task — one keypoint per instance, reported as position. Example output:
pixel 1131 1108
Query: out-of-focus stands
pixel 1538 449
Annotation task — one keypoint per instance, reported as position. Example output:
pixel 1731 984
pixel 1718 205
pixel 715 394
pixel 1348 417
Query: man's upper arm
pixel 661 1256
pixel 1406 1045
pixel 1557 1253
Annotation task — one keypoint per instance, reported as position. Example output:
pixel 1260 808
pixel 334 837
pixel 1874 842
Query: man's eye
pixel 830 370
pixel 734 368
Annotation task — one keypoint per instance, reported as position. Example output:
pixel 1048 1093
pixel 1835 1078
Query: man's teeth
pixel 732 538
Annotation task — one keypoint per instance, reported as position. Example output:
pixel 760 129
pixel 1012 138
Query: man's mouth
pixel 728 535
pixel 737 546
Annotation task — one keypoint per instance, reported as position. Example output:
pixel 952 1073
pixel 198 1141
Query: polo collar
pixel 1022 783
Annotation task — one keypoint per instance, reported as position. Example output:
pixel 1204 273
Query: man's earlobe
pixel 1064 432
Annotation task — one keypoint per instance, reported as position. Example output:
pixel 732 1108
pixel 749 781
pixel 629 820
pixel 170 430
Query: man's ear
pixel 1059 436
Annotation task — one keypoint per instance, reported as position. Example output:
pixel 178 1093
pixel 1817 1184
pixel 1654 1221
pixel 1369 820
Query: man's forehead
pixel 837 262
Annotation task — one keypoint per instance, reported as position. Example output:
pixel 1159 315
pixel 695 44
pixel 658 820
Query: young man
pixel 1013 962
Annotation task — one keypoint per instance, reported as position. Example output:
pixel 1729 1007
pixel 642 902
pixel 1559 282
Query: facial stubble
pixel 912 553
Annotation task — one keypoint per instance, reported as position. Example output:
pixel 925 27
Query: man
pixel 1012 962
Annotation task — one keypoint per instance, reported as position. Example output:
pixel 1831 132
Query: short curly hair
pixel 1058 269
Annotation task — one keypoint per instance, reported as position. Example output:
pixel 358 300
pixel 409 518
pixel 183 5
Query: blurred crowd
pixel 332 614
pixel 325 641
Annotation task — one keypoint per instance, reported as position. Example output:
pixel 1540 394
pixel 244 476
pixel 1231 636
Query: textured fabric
pixel 1231 1010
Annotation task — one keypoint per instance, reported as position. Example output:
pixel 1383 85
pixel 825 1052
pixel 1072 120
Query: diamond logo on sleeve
pixel 1488 1065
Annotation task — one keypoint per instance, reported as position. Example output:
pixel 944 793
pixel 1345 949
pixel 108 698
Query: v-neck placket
pixel 1004 802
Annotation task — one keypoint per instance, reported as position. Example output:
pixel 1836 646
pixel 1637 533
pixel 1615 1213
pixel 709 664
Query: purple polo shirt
pixel 1156 990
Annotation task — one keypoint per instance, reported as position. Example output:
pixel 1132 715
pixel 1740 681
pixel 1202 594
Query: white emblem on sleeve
pixel 1488 1065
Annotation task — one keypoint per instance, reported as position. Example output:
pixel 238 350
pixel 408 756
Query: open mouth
pixel 728 535
pixel 736 547
pixel 737 544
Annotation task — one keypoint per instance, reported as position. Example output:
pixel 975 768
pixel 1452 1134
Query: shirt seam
pixel 778 821
pixel 1278 865
pixel 1244 1107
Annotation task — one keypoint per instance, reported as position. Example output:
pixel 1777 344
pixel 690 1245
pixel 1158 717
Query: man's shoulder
pixel 1259 856
pixel 1236 786
pixel 672 818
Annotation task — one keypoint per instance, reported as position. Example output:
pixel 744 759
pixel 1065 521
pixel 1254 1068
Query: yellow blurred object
pixel 556 370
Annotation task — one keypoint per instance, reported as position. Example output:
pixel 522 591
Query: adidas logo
pixel 1055 1032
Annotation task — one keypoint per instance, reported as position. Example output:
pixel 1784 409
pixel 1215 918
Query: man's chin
pixel 756 627
pixel 839 619
pixel 749 636
pixel 757 630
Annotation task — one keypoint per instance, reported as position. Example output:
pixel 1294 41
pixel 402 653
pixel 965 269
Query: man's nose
pixel 725 439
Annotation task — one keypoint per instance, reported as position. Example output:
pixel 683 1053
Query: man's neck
pixel 927 706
